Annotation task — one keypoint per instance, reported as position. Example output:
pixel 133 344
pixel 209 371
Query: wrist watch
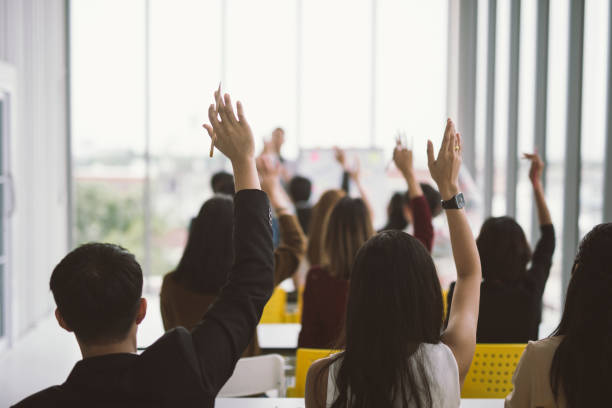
pixel 454 203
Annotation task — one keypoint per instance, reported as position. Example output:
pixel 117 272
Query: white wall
pixel 33 40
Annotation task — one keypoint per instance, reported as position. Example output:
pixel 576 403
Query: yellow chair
pixel 304 359
pixel 444 302
pixel 490 375
pixel 275 309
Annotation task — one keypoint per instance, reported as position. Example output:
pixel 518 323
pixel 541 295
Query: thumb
pixel 430 154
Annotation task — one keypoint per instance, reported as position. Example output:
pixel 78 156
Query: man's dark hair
pixel 222 183
pixel 300 189
pixel 97 289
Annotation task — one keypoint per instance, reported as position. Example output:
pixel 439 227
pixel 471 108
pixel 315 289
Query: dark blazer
pixel 182 368
pixel 511 312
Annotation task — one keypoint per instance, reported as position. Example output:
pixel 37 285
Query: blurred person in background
pixel 300 189
pixel 222 183
pixel 512 288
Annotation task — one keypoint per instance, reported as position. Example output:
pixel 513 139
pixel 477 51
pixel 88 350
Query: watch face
pixel 460 200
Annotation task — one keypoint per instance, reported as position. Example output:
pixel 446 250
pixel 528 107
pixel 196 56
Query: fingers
pixel 212 117
pixel 240 111
pixel 223 112
pixel 447 131
pixel 430 154
pixel 459 144
pixel 229 109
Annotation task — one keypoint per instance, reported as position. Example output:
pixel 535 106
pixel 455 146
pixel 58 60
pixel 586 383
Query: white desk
pixel 278 336
pixel 299 403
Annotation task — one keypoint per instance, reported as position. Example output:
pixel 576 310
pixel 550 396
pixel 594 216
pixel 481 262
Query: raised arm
pixel 423 228
pixel 292 247
pixel 340 157
pixel 227 328
pixel 545 248
pixel 535 175
pixel 460 334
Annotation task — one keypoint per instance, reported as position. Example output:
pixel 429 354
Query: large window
pixel 141 92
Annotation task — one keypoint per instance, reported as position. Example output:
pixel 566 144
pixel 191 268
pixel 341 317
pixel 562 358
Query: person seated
pixel 98 288
pixel 324 303
pixel 318 221
pixel 204 268
pixel 571 368
pixel 222 183
pixel 396 353
pixel 413 206
pixel 300 189
pixel 511 293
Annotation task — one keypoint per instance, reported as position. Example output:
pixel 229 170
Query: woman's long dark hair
pixel 394 306
pixel 581 366
pixel 395 213
pixel 209 254
pixel 503 249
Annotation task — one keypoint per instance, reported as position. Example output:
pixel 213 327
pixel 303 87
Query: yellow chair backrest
pixel 304 359
pixel 275 309
pixel 490 375
pixel 444 301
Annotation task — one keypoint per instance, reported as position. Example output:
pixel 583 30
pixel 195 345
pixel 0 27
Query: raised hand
pixel 269 173
pixel 231 135
pixel 355 170
pixel 445 168
pixel 340 156
pixel 402 157
pixel 537 168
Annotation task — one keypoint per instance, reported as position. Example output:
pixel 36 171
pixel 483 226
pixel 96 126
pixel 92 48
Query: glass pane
pixel 555 144
pixel 526 122
pixel 262 66
pixel 410 97
pixel 502 66
pixel 593 114
pixel 107 67
pixel 183 79
pixel 337 73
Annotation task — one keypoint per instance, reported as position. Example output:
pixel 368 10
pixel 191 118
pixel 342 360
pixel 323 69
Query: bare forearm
pixel 543 212
pixel 245 175
pixel 465 252
pixel 414 187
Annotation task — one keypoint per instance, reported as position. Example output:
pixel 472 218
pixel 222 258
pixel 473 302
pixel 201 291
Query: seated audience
pixel 203 271
pixel 300 189
pixel 572 367
pixel 324 304
pixel 396 354
pixel 417 208
pixel 222 183
pixel 318 221
pixel 511 293
pixel 400 214
pixel 98 289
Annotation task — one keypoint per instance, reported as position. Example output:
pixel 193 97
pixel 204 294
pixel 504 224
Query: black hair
pixel 395 211
pixel 580 368
pixel 503 249
pixel 209 253
pixel 394 306
pixel 222 183
pixel 97 288
pixel 300 189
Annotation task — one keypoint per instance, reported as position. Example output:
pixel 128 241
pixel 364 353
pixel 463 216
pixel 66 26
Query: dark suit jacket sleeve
pixel 228 326
pixel 423 228
pixel 541 260
pixel 289 253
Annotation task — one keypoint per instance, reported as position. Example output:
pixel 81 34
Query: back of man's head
pixel 222 183
pixel 300 189
pixel 97 289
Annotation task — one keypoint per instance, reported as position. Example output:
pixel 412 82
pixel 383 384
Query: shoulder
pixel 543 350
pixel 441 358
pixel 317 381
pixel 48 397
pixel 169 281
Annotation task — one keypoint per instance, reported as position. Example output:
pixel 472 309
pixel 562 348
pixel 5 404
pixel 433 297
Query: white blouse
pixel 441 371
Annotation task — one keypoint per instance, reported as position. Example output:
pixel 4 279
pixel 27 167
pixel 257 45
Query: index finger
pixel 447 130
